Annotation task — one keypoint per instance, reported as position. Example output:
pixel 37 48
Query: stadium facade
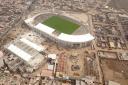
pixel 61 38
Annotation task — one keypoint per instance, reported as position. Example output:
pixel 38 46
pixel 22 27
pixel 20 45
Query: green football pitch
pixel 60 24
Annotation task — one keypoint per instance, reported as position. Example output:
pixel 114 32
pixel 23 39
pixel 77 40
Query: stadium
pixel 61 29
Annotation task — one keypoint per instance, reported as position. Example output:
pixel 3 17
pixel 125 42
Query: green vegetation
pixel 60 24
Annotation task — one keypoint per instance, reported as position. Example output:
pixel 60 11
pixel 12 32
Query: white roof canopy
pixel 44 28
pixel 33 45
pixel 75 38
pixel 63 36
pixel 17 51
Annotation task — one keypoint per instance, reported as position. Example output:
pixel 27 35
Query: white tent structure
pixel 27 51
pixel 17 51
pixel 33 45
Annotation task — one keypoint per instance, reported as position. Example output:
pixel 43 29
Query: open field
pixel 61 25
pixel 119 4
pixel 115 70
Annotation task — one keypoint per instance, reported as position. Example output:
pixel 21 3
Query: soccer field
pixel 61 24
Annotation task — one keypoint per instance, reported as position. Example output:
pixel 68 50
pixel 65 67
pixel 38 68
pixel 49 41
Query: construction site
pixel 32 53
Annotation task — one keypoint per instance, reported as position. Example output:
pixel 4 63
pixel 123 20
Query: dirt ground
pixel 119 4
pixel 78 60
pixel 115 71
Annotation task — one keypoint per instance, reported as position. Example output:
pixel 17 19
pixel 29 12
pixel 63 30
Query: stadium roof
pixel 44 28
pixel 75 38
pixel 63 36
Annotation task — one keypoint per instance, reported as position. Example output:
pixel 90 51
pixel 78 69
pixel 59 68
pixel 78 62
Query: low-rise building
pixel 28 52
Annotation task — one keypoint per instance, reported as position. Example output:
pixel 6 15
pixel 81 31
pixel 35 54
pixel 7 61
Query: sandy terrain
pixel 119 4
